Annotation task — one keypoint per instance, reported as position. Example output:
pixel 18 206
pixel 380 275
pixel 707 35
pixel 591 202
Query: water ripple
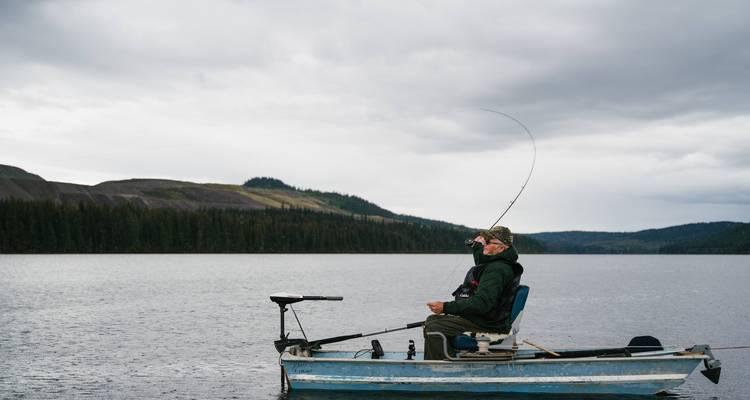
pixel 201 326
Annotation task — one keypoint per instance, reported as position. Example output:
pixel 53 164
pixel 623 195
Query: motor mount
pixel 713 366
pixel 377 350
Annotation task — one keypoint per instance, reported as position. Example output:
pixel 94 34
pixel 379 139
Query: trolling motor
pixel 284 299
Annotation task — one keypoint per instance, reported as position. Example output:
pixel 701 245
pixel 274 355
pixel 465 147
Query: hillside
pixel 265 193
pixel 11 172
pixel 734 240
pixel 251 201
pixel 255 194
pixel 698 238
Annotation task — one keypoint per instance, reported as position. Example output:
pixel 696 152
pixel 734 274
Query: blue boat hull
pixel 624 375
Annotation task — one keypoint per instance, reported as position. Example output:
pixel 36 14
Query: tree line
pixel 48 227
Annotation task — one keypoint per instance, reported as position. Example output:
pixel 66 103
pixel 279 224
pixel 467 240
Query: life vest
pixel 502 310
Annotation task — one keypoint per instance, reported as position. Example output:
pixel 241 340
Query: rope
pixel 362 352
pixel 298 323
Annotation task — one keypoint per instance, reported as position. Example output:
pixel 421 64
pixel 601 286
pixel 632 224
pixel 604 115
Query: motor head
pixel 282 344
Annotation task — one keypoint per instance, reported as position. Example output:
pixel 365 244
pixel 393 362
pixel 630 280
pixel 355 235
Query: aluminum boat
pixel 483 364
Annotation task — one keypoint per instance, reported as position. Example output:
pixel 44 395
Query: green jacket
pixel 497 275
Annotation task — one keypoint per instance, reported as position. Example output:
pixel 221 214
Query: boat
pixel 486 364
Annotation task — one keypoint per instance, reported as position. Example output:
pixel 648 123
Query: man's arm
pixel 491 285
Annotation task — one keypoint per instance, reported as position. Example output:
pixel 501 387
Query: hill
pixel 11 172
pixel 733 240
pixel 697 238
pixel 254 196
pixel 261 194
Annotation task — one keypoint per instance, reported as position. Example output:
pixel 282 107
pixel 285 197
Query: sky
pixel 640 110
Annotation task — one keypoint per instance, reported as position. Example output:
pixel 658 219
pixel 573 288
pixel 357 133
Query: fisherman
pixel 484 301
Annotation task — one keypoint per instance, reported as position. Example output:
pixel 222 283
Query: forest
pixel 88 227
pixel 48 227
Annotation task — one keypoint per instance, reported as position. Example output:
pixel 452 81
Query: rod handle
pixel 414 325
pixel 336 339
pixel 329 298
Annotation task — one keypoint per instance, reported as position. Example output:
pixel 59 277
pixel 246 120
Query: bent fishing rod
pixel 533 161
pixel 525 183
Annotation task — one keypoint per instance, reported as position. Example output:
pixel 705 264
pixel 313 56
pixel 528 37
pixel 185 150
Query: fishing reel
pixel 472 244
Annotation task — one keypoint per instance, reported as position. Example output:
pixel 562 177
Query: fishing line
pixel 730 348
pixel 665 346
pixel 456 263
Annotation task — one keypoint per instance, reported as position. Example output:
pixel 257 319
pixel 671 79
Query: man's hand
pixel 436 307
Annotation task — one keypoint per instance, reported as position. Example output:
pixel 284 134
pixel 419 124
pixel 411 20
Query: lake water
pixel 202 326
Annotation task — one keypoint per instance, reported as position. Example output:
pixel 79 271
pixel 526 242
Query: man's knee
pixel 434 322
pixel 429 321
pixel 440 323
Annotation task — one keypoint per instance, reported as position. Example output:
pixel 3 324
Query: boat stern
pixel 713 365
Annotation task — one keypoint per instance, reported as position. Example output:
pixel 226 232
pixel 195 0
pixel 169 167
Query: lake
pixel 202 326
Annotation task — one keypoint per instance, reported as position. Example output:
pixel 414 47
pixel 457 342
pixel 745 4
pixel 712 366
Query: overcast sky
pixel 640 110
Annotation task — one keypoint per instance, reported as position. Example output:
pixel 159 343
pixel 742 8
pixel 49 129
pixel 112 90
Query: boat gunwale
pixel 489 380
pixel 670 356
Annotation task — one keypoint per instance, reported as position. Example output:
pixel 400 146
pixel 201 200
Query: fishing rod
pixel 533 161
pixel 283 343
pixel 342 338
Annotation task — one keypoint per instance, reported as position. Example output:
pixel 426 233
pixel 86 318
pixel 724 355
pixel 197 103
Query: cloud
pixel 640 110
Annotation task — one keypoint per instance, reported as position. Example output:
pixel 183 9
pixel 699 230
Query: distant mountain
pixel 255 195
pixel 11 172
pixel 734 240
pixel 265 182
pixel 266 193
pixel 698 238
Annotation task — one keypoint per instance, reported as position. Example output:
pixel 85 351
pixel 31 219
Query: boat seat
pixel 467 341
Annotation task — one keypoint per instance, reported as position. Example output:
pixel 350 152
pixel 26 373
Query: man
pixel 484 301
